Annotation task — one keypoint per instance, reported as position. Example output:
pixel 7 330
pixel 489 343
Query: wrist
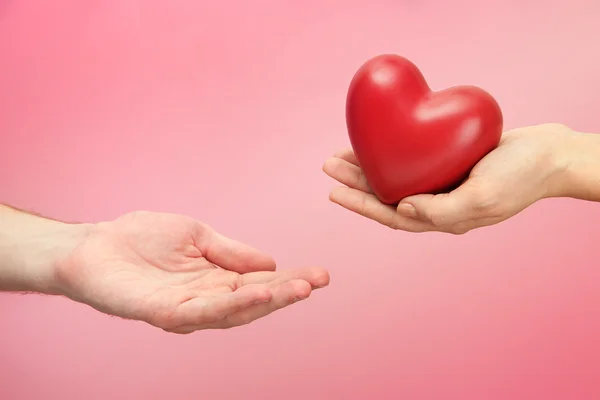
pixel 559 159
pixel 32 247
pixel 52 250
pixel 577 162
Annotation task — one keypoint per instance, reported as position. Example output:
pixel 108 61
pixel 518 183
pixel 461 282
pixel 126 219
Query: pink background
pixel 226 111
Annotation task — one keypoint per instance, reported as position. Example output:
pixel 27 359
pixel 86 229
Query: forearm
pixel 30 248
pixel 580 176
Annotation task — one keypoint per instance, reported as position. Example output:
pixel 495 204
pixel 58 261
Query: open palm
pixel 178 274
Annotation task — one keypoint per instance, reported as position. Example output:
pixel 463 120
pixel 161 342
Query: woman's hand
pixel 529 164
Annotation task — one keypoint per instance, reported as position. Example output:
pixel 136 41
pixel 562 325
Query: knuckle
pixel 362 207
pixel 360 178
pixel 554 126
pixel 245 319
pixel 458 230
pixel 162 320
pixel 394 224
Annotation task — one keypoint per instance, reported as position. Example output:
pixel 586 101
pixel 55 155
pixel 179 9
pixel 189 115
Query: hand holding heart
pixel 524 168
pixel 411 146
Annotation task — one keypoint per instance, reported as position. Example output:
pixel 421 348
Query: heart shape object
pixel 411 140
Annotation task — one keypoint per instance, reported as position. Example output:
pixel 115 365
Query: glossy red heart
pixel 409 139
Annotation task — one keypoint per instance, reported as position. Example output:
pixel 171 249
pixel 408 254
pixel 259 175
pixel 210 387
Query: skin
pixel 168 270
pixel 180 275
pixel 530 164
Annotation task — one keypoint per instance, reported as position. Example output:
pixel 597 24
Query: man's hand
pixel 529 164
pixel 171 271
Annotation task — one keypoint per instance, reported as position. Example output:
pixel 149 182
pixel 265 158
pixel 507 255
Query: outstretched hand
pixel 523 169
pixel 178 274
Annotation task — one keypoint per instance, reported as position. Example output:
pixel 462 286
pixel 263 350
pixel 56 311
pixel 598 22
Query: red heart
pixel 409 139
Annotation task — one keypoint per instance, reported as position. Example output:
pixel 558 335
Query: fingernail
pixel 296 299
pixel 260 301
pixel 407 210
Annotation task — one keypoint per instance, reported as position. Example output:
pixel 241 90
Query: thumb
pixel 444 209
pixel 232 255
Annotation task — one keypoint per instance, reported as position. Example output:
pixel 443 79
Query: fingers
pixel 282 295
pixel 235 256
pixel 316 277
pixel 347 155
pixel 346 173
pixel 224 311
pixel 367 205
pixel 457 210
pixel 211 309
